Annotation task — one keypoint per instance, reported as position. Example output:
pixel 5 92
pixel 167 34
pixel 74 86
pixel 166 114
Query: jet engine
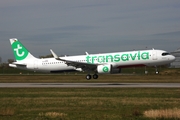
pixel 107 69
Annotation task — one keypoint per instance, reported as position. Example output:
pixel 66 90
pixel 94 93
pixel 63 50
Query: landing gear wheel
pixel 157 72
pixel 88 77
pixel 95 76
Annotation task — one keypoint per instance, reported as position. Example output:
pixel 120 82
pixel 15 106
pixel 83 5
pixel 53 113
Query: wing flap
pixel 84 66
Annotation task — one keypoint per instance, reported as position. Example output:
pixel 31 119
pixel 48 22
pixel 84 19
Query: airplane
pixel 101 63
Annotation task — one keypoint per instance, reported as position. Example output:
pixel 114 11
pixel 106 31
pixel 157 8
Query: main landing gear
pixel 88 76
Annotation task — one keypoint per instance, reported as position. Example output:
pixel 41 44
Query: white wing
pixel 76 64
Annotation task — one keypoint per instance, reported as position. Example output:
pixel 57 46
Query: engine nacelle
pixel 104 68
pixel 107 69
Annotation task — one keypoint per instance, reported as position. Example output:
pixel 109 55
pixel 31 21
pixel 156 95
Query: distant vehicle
pixel 91 63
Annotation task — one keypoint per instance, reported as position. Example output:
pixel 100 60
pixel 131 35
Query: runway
pixel 89 85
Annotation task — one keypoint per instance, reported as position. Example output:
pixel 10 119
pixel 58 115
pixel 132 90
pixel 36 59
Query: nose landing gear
pixel 157 72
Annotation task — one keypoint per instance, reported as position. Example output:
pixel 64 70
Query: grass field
pixel 116 78
pixel 90 103
pixel 128 75
pixel 86 103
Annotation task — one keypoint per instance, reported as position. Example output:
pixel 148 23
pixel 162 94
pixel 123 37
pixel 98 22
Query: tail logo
pixel 20 51
pixel 17 51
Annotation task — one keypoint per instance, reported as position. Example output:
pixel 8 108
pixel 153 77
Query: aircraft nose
pixel 172 58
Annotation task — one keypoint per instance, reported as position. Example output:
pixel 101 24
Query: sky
pixel 71 27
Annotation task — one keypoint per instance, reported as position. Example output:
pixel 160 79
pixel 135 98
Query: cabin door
pixel 36 64
pixel 154 55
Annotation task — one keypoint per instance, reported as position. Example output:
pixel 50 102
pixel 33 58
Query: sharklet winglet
pixel 87 53
pixel 55 55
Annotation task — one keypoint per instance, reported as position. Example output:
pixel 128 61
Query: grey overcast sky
pixel 71 27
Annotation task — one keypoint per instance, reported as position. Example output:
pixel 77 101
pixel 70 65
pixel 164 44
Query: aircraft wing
pixel 82 65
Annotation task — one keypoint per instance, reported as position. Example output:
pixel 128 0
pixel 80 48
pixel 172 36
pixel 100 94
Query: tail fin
pixel 20 51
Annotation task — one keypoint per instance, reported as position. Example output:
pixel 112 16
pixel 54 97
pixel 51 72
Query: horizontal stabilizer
pixel 16 64
pixel 20 64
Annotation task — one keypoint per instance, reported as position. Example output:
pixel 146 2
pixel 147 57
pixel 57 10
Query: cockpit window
pixel 164 54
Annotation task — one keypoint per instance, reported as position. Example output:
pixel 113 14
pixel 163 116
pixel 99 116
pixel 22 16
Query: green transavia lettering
pixel 117 57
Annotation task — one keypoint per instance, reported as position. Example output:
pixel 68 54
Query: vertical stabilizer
pixel 20 51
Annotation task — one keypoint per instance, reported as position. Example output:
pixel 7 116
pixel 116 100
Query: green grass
pixel 84 103
pixel 128 75
pixel 89 103
pixel 80 78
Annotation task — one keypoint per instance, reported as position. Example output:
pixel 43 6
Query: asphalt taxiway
pixel 90 85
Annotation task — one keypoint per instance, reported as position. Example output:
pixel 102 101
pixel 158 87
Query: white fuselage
pixel 117 60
